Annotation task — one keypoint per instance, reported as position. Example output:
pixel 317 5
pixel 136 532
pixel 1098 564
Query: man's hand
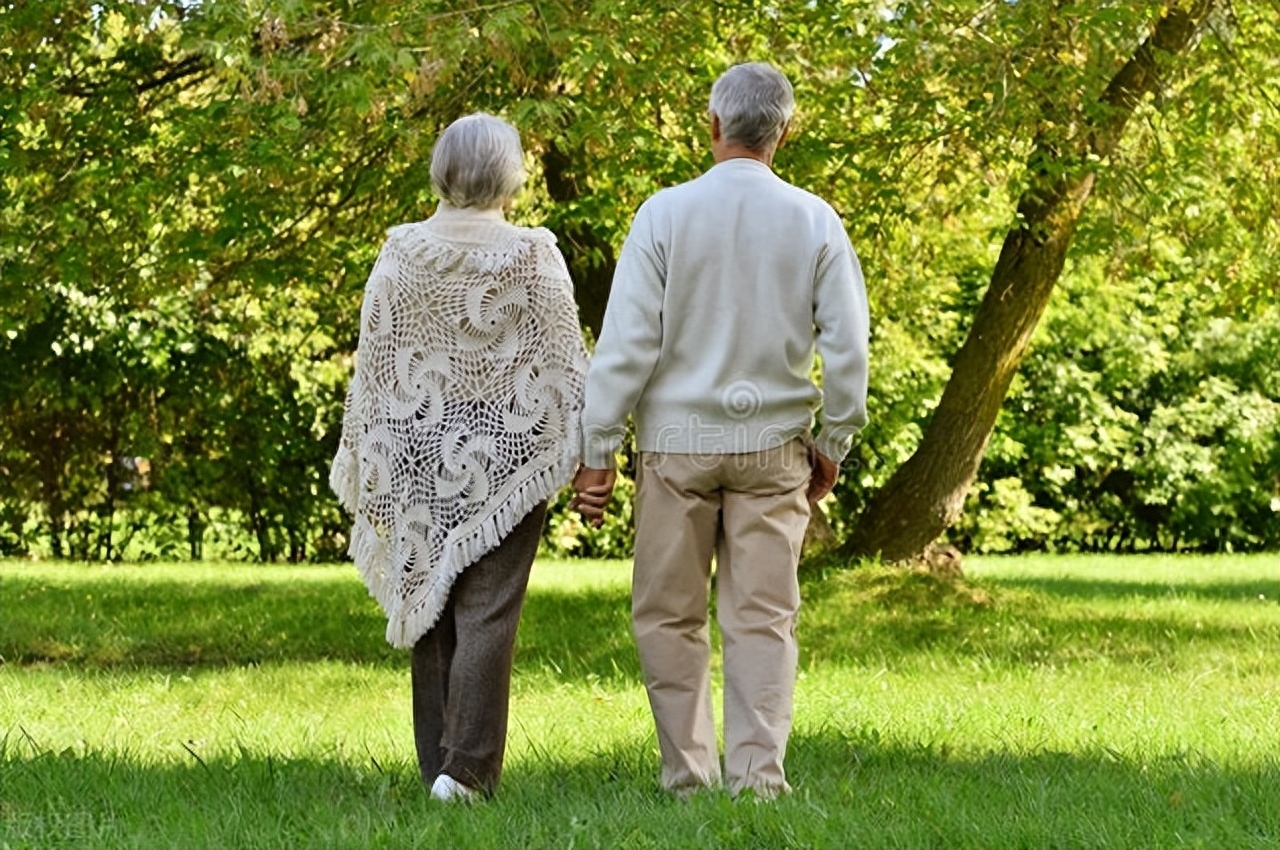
pixel 824 475
pixel 594 487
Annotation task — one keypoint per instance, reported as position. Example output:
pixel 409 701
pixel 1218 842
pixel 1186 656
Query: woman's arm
pixel 373 356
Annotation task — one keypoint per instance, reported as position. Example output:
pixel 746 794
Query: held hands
pixel 824 475
pixel 594 487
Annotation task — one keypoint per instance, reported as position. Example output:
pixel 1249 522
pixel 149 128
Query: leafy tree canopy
pixel 191 194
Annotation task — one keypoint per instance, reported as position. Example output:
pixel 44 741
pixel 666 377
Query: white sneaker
pixel 450 790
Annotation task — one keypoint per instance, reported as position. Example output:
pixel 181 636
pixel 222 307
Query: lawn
pixel 1045 702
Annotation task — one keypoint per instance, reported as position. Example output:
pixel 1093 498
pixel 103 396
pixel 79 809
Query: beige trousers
pixel 750 511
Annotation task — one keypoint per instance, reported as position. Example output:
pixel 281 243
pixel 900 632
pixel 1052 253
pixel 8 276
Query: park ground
pixel 1045 701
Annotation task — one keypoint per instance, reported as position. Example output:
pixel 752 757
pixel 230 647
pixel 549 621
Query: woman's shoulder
pixel 480 245
pixel 535 235
pixel 407 230
pixel 490 231
pixel 401 237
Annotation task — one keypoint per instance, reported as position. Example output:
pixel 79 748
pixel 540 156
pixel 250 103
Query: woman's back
pixel 466 392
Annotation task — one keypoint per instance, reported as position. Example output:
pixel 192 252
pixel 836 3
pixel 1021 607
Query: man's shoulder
pixel 806 198
pixel 768 185
pixel 692 194
pixel 671 195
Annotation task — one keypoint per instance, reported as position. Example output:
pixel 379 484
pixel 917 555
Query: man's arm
pixel 630 342
pixel 823 476
pixel 843 325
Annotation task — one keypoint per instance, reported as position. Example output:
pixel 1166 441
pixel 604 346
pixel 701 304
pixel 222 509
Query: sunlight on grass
pixel 1048 701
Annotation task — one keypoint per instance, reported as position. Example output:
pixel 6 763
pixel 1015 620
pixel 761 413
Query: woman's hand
pixel 593 486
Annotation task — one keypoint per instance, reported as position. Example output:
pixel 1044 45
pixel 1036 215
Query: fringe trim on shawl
pixel 344 479
pixel 371 554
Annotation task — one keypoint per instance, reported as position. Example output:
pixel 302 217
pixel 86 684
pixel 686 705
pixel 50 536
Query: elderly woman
pixel 462 419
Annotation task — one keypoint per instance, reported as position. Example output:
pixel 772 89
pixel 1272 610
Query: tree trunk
pixel 589 254
pixel 105 549
pixel 261 525
pixel 195 533
pixel 55 535
pixel 926 494
pixel 297 545
pixel 51 463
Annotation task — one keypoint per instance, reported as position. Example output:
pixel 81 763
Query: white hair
pixel 477 162
pixel 754 102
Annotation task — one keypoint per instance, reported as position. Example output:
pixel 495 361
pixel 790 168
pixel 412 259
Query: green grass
pixel 1046 702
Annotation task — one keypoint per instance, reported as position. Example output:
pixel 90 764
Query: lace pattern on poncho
pixel 463 413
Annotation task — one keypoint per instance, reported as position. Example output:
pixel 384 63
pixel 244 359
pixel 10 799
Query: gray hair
pixel 754 102
pixel 477 162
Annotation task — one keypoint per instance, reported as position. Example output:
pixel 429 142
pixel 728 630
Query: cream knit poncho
pixel 463 413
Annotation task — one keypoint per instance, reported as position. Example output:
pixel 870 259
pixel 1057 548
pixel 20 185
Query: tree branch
pixel 1141 74
pixel 192 64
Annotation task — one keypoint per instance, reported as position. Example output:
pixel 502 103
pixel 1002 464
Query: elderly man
pixel 723 288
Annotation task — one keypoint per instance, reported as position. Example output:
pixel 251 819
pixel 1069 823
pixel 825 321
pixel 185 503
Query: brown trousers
pixel 749 510
pixel 462 666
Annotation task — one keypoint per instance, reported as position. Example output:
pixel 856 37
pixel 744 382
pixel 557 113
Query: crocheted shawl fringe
pixel 372 546
pixel 463 547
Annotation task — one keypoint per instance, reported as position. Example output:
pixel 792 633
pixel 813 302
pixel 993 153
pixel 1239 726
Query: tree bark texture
pixel 926 494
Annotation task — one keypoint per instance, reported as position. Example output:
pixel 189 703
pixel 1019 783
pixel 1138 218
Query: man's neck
pixel 722 151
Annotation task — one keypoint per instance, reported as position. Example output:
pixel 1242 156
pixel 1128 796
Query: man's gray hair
pixel 754 102
pixel 477 162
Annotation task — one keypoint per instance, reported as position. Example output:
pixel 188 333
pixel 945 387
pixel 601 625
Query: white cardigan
pixel 723 288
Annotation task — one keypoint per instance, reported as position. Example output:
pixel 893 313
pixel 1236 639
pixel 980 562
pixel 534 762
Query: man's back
pixel 717 293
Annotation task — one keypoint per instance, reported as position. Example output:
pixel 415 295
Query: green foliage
pixel 182 200
pixel 191 195
pixel 1171 247
pixel 1142 420
pixel 566 535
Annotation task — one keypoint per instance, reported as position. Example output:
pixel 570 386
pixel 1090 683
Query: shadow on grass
pixel 871 614
pixel 104 623
pixel 864 616
pixel 578 634
pixel 852 789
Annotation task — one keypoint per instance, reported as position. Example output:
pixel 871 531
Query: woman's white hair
pixel 754 103
pixel 477 162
